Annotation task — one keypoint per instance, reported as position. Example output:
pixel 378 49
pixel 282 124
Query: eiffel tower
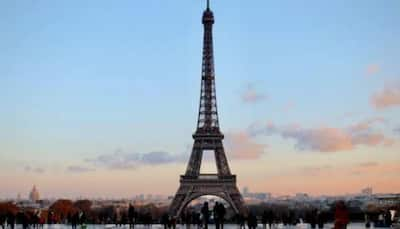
pixel 207 137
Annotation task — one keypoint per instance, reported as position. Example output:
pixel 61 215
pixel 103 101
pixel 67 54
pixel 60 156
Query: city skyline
pixel 91 95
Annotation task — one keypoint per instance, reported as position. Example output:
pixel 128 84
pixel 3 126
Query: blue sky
pixel 84 79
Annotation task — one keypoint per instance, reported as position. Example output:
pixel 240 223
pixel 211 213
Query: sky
pixel 100 98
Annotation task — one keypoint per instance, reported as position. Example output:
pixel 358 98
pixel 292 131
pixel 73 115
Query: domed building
pixel 34 194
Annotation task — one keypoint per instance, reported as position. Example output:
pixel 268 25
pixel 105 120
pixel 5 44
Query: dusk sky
pixel 100 98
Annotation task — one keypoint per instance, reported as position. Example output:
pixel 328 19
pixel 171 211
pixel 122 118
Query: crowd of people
pixel 200 218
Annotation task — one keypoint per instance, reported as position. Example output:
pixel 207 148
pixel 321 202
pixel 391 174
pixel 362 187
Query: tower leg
pixel 179 200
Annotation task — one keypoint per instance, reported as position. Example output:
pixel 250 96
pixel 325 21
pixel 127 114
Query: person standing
pixel 240 221
pixel 11 220
pixel 221 211
pixel 341 216
pixel 206 214
pixel 131 216
pixel 264 219
pixel 388 218
pixel 252 221
pixel 270 218
pixel 216 215
pixel 320 219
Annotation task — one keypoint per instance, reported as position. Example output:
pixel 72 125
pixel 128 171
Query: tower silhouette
pixel 207 137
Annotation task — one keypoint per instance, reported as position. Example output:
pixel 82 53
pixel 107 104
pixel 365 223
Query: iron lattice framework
pixel 207 137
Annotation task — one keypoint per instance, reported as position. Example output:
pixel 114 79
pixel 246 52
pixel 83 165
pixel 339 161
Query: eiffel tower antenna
pixel 207 137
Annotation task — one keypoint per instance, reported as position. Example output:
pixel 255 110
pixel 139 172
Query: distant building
pixel 34 194
pixel 302 196
pixel 388 199
pixel 245 191
pixel 366 191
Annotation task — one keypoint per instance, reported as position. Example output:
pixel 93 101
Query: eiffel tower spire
pixel 208 122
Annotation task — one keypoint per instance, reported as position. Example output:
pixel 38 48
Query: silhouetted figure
pixel 205 212
pixel 293 219
pixel 341 215
pixel 196 219
pixel 3 220
pixel 240 221
pixel 172 222
pixel 388 218
pixel 320 219
pixel 131 216
pixel 50 217
pixel 312 218
pixel 284 217
pixel 367 220
pixel 252 221
pixel 221 211
pixel 147 219
pixel 165 220
pixel 381 220
pixel 264 219
pixel 216 216
pixel 117 219
pixel 188 219
pixel 74 220
pixel 270 218
pixel 11 220
pixel 25 221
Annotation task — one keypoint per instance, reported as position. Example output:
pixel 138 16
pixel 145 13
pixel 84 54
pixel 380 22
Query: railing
pixel 209 176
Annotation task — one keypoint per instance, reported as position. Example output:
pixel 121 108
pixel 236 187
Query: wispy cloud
pixel 326 139
pixel 389 96
pixel 30 169
pixel 251 95
pixel 366 124
pixel 121 161
pixel 241 146
pixel 79 169
pixel 314 170
pixel 368 164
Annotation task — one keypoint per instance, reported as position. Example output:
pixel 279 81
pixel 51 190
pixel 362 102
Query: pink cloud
pixel 367 124
pixel 389 96
pixel 372 69
pixel 327 139
pixel 239 145
pixel 251 95
pixel 368 139
pixel 323 139
pixel 368 164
